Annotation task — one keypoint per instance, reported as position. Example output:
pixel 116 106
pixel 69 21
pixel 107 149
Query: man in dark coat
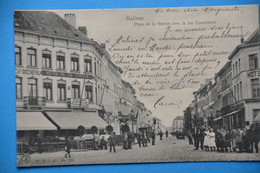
pixel 112 142
pixel 256 137
pixel 200 137
pixel 129 140
pixel 161 135
pixel 153 137
pixel 67 147
pixel 166 133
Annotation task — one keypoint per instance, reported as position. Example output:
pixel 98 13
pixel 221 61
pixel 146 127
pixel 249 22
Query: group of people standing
pixel 240 140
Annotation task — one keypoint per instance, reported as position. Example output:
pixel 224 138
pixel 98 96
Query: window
pixel 238 93
pixel 47 89
pixel 239 66
pixel 60 60
pixel 96 95
pixel 253 61
pixel 75 90
pixel 236 69
pixel 32 87
pixel 95 68
pixel 74 62
pixel 89 92
pixel 31 57
pixel 46 59
pixel 61 91
pixel 18 56
pixel 18 88
pixel 87 63
pixel 255 88
pixel 241 96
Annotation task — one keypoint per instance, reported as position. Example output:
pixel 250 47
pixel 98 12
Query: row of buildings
pixel 66 81
pixel 232 98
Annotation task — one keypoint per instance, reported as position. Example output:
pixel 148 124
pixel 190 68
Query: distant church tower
pixel 70 18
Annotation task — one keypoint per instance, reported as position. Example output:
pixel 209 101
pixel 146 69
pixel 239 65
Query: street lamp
pixel 211 116
pixel 132 118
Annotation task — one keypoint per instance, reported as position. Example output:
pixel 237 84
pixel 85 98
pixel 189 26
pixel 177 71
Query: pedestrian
pixel 125 146
pixel 103 143
pixel 67 147
pixel 153 137
pixel 218 140
pixel 200 138
pixel 256 137
pixel 148 136
pixel 144 139
pixel 166 133
pixel 129 140
pixel 212 144
pixel 194 135
pixel 190 138
pixel 206 140
pixel 161 135
pixel 228 141
pixel 138 137
pixel 112 141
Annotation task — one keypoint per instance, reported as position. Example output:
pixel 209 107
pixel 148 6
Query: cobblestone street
pixel 168 150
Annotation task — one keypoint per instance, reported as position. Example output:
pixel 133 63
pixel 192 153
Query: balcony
pixel 34 102
pixel 230 108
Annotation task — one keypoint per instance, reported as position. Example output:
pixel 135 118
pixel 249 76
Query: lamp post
pixel 211 116
pixel 132 118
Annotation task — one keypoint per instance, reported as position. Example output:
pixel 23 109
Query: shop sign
pixel 77 102
pixel 52 73
pixel 252 74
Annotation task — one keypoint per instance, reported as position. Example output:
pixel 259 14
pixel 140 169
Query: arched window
pixel 46 58
pixel 18 55
pixel 74 62
pixel 89 91
pixel 61 84
pixel 18 87
pixel 87 63
pixel 47 89
pixel 75 89
pixel 31 57
pixel 60 64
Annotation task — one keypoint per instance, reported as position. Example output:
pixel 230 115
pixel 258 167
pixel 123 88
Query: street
pixel 168 150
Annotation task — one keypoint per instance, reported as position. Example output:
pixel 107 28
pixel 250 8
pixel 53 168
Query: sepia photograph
pixel 143 85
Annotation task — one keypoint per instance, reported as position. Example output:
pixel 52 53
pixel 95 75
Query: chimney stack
pixel 83 29
pixel 71 19
pixel 103 45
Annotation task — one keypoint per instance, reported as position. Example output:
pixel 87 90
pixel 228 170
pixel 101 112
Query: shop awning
pixel 33 121
pixel 74 119
pixel 216 119
pixel 231 113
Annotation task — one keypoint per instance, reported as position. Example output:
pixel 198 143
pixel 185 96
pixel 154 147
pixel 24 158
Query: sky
pixel 106 26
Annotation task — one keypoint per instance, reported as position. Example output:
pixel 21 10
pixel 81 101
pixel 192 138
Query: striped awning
pixel 33 121
pixel 74 119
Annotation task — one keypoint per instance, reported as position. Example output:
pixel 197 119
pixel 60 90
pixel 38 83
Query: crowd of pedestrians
pixel 221 140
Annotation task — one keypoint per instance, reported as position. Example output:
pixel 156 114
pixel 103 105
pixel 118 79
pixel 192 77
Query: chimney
pixel 71 19
pixel 83 29
pixel 103 45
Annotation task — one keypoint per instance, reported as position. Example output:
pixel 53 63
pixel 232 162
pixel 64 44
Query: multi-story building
pixel 64 80
pixel 245 82
pixel 234 97
pixel 177 124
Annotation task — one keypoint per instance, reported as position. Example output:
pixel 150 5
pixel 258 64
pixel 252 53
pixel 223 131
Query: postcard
pixel 112 86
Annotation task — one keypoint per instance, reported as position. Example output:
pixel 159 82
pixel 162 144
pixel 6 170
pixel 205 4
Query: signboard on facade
pixel 53 73
pixel 77 102
pixel 255 73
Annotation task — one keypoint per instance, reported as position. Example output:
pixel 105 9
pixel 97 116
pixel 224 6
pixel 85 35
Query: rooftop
pixel 46 23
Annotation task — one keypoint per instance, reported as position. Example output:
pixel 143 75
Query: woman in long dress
pixel 212 144
pixel 206 140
